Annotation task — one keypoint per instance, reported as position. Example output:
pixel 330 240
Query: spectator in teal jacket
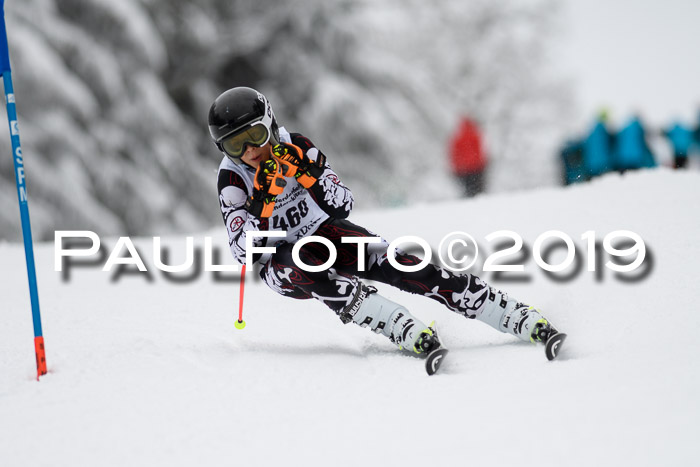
pixel 631 148
pixel 597 148
pixel 681 138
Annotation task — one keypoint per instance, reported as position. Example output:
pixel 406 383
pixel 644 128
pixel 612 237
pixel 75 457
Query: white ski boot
pixel 369 309
pixel 508 315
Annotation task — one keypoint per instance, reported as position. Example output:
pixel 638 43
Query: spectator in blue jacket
pixel 597 148
pixel 681 138
pixel 696 134
pixel 631 148
pixel 572 162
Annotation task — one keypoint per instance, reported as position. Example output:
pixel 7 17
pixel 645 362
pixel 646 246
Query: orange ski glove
pixel 299 166
pixel 268 183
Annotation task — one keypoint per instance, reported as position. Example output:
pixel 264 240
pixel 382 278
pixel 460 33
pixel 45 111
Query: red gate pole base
pixel 40 356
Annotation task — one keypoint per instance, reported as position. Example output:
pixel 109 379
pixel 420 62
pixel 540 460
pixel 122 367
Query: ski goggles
pixel 256 135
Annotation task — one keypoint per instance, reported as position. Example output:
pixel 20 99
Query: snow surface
pixel 154 373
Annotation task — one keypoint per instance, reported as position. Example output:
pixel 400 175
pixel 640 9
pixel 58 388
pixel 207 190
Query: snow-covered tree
pixel 113 99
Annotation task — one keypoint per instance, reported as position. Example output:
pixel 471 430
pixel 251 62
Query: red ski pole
pixel 240 324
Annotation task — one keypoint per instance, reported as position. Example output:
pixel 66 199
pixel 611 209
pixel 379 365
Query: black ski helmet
pixel 238 109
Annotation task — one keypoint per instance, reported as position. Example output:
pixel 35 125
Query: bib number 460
pixel 292 217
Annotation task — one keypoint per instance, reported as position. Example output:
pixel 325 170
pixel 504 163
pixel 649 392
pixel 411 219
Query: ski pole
pixel 240 324
pixel 22 195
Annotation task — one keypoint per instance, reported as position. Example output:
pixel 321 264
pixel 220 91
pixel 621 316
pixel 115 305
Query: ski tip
pixel 553 345
pixel 434 360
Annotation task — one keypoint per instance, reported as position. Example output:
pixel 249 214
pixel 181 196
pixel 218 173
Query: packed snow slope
pixel 154 373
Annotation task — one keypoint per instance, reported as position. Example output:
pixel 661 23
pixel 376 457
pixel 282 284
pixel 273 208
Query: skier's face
pixel 254 156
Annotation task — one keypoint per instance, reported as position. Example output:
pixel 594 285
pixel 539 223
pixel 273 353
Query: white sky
pixel 632 56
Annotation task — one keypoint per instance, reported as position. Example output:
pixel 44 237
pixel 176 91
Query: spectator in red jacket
pixel 467 157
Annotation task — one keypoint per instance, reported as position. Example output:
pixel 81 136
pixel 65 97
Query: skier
pixel 270 179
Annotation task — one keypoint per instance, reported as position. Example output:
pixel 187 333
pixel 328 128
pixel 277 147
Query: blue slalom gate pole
pixel 22 195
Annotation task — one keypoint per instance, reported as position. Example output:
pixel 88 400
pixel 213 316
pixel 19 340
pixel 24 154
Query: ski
pixel 553 345
pixel 434 360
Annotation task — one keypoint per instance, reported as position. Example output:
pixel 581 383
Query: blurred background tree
pixel 113 99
